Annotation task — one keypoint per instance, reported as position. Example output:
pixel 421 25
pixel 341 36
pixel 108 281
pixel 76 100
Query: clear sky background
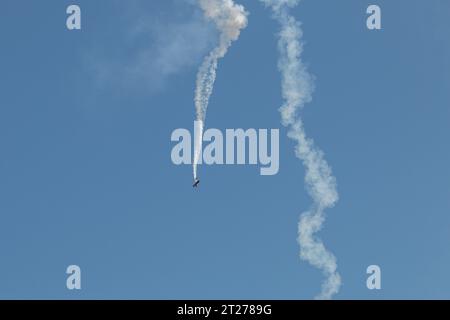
pixel 86 176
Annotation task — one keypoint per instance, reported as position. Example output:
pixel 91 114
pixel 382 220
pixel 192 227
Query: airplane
pixel 196 182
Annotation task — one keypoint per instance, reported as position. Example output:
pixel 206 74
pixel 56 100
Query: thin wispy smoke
pixel 297 88
pixel 230 19
pixel 149 47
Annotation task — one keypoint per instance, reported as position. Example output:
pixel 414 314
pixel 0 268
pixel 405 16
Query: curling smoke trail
pixel 297 88
pixel 229 19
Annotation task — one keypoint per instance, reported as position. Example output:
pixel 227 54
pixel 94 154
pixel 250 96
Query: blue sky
pixel 86 176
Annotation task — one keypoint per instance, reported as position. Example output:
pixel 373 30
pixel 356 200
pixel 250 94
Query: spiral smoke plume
pixel 297 88
pixel 230 19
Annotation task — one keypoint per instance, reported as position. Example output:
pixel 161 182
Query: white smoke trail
pixel 198 139
pixel 297 88
pixel 229 19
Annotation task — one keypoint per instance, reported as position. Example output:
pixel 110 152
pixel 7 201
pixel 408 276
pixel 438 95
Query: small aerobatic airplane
pixel 196 182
